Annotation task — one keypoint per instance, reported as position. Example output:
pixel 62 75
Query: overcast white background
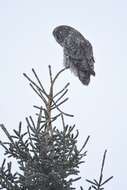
pixel 100 109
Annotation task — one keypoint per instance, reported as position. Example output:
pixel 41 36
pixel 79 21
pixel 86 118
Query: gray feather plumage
pixel 78 52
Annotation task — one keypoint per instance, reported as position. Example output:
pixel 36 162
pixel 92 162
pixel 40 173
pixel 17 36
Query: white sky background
pixel 100 109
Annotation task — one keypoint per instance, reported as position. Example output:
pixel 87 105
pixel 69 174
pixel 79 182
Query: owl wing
pixel 79 50
pixel 72 46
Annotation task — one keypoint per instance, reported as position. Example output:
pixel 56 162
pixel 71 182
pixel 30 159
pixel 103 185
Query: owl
pixel 78 52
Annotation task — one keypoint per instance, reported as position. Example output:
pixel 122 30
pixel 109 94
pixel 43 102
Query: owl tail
pixel 82 71
pixel 84 74
pixel 92 72
pixel 84 77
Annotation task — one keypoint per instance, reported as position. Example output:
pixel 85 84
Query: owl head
pixel 61 32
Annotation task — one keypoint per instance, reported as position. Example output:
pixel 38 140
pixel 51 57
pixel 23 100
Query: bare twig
pixel 58 75
pixel 84 144
pixel 66 114
pixel 63 122
pixel 40 83
pixel 63 94
pixel 65 87
pixel 98 184
pixel 57 105
pixel 50 74
pixel 48 98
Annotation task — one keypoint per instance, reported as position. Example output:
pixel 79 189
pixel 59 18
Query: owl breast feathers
pixel 78 52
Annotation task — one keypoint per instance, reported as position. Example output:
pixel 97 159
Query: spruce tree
pixel 47 155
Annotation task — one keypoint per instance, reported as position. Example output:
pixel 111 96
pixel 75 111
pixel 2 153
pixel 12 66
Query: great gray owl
pixel 78 52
